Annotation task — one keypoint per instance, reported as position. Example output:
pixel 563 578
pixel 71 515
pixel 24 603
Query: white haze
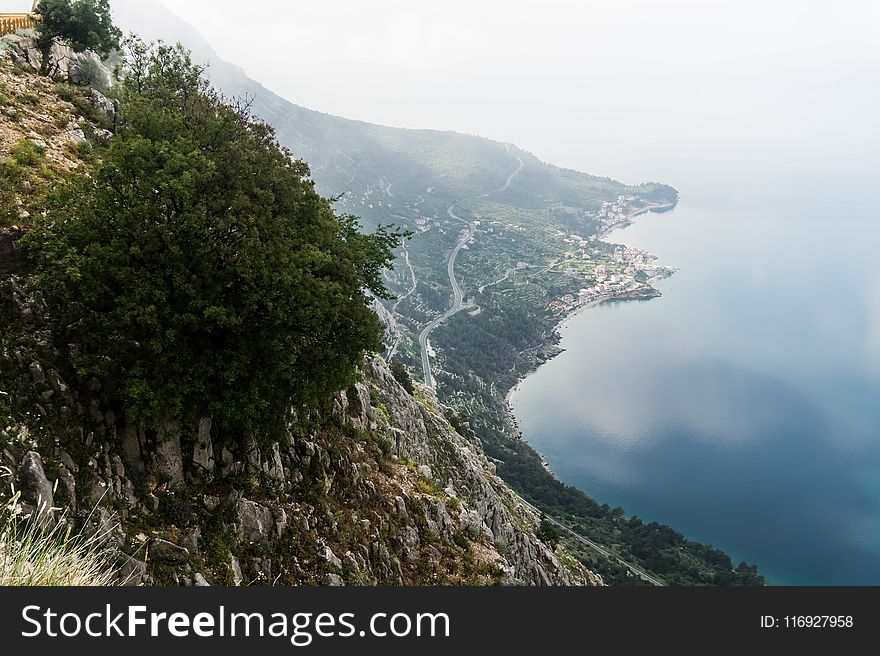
pixel 14 6
pixel 750 98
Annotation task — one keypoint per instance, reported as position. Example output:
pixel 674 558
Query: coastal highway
pixel 450 268
pixel 638 571
pixel 456 301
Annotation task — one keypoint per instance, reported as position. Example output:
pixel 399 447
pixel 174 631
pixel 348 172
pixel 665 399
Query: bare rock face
pixel 163 551
pixel 75 133
pixel 132 572
pixel 392 520
pixel 254 521
pixel 23 51
pixel 333 580
pixel 168 454
pixel 67 486
pixel 36 490
pixel 488 505
pixel 103 104
pixel 235 568
pixel 203 452
pixel 83 68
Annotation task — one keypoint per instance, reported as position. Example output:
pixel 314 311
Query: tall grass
pixel 38 551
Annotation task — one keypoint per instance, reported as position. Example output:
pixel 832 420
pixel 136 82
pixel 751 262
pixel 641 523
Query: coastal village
pixel 608 271
pixel 605 270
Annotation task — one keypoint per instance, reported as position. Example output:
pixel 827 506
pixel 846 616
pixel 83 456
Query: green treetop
pixel 196 267
pixel 80 24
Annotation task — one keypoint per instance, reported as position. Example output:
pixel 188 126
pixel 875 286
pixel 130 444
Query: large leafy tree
pixel 81 24
pixel 196 268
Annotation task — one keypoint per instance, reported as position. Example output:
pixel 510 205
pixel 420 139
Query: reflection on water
pixel 740 407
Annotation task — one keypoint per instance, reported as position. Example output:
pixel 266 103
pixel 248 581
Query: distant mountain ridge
pixel 382 173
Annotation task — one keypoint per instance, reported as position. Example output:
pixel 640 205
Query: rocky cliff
pixel 383 490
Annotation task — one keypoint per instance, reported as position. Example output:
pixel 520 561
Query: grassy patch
pixel 27 153
pixel 429 487
pixel 29 98
pixel 386 445
pixel 31 554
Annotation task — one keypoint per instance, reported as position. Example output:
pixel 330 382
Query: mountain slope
pixel 385 173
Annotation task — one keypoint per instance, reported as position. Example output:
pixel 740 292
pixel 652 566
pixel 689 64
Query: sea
pixel 742 407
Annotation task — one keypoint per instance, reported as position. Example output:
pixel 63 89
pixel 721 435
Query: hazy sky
pixel 636 89
pixel 629 88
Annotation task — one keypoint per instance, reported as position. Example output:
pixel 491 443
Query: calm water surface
pixel 742 407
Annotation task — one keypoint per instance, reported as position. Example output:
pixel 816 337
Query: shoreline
pixel 574 313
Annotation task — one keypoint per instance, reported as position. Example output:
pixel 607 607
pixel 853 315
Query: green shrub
pixel 401 375
pixel 27 153
pixel 429 487
pixel 386 445
pixel 197 266
pixel 82 150
pixel 81 24
pixel 83 105
pixel 461 540
pixel 10 171
pixel 547 532
pixel 178 511
pixel 91 74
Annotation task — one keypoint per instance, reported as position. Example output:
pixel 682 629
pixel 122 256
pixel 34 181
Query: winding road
pixel 412 273
pixel 638 571
pixel 457 299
